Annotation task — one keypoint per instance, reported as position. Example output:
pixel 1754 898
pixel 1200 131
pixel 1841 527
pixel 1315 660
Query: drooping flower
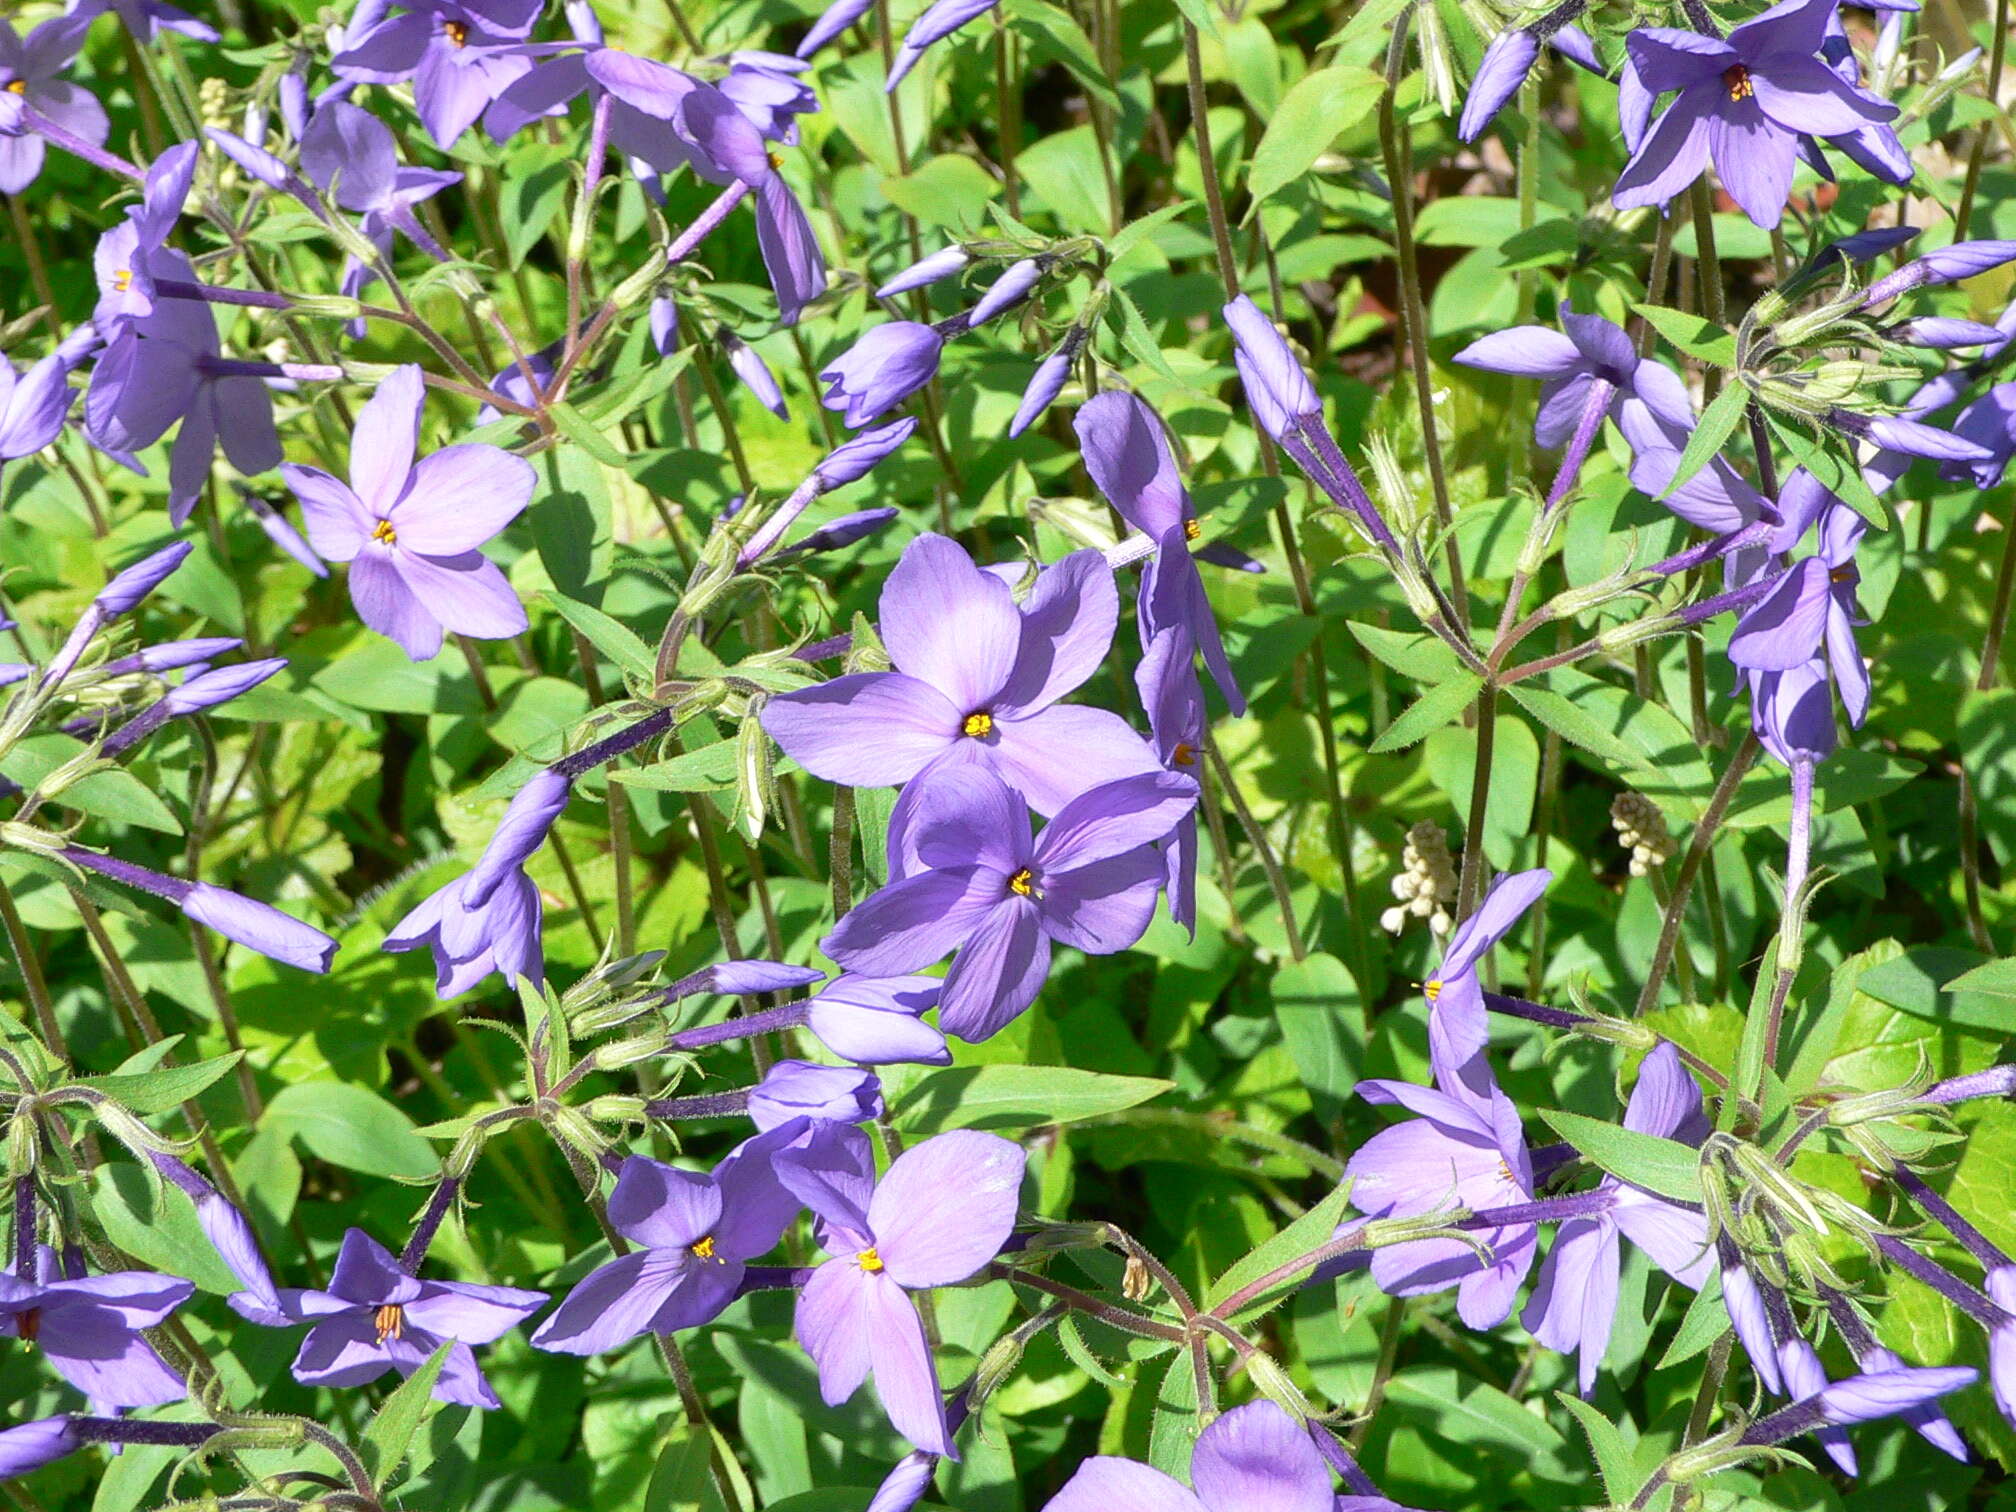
pixel 942 1210
pixel 1048 381
pixel 89 1328
pixel 1457 1029
pixel 255 925
pixel 1463 1147
pixel 1644 397
pixel 528 819
pixel 925 271
pixel 696 1234
pixel 31 71
pixel 1130 461
pixel 460 55
pixel 123 259
pixel 976 683
pixel 803 1092
pixel 144 18
pixel 1990 423
pixel 940 19
pixel 1744 101
pixel 986 890
pixel 350 153
pixel 223 1225
pixel 1167 682
pixel 471 940
pixel 410 530
pixel 1254 1458
pixel 168 365
pixel 885 365
pixel 1813 607
pixel 769 90
pixel 33 405
pixel 875 1021
pixel 1717 498
pixel 1574 1302
pixel 376 1317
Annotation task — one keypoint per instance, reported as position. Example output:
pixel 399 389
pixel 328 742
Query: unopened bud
pixel 615 1108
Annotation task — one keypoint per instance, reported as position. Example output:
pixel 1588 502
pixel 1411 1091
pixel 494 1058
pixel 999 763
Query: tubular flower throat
pixel 1737 78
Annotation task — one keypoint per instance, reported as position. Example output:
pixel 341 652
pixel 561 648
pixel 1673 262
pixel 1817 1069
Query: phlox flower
pixel 460 55
pixel 31 70
pixel 88 1327
pixel 1254 1458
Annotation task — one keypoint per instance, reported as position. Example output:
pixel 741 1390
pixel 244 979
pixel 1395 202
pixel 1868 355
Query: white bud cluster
pixel 1426 885
pixel 213 102
pixel 1641 829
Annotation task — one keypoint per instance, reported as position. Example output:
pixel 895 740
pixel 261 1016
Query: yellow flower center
pixel 1737 78
pixel 1192 529
pixel 458 32
pixel 383 532
pixel 1023 883
pixel 869 1261
pixel 390 1321
pixel 1432 988
pixel 122 280
pixel 979 724
pixel 17 86
pixel 1185 754
pixel 703 1249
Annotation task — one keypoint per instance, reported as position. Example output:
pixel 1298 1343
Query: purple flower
pixel 410 530
pixel 834 20
pixel 1989 422
pixel 1717 498
pixel 460 55
pixel 942 1210
pixel 471 940
pixel 528 819
pixel 168 365
pixel 1010 289
pixel 349 152
pixel 1285 403
pixel 794 1090
pixel 1948 264
pixel 1793 712
pixel 1745 101
pixel 766 87
pixel 1813 606
pixel 696 1234
pixel 124 255
pixel 754 372
pixel 376 1317
pixel 986 890
pixel 886 365
pixel 1048 381
pixel 939 21
pixel 1646 400
pixel 1574 1301
pixel 939 265
pixel 1873 146
pixel 89 1328
pixel 144 17
pixel 1895 433
pixel 1506 63
pixel 1465 1147
pixel 1174 700
pixel 33 405
pixel 976 682
pixel 1254 1458
pixel 27 1447
pixel 255 925
pixel 223 1225
pixel 29 71
pixel 1860 1399
pixel 1130 461
pixel 1457 1031
pixel 877 1021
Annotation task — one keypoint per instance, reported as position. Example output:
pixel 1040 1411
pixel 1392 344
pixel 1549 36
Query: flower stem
pixel 1998 52
pixel 1690 867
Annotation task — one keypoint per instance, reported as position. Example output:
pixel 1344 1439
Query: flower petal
pixel 467 594
pixel 996 974
pixel 864 729
pixel 949 624
pixel 460 497
pixel 1257 1458
pixel 946 1206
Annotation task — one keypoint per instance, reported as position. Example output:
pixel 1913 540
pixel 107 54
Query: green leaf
pixel 1311 115
pixel 157 1091
pixel 1053 33
pixel 1714 431
pixel 353 1127
pixel 532 191
pixel 1016 1097
pixel 1614 1460
pixel 1572 723
pixel 390 1435
pixel 1997 979
pixel 1173 1433
pixel 707 769
pixel 1064 172
pixel 1305 1234
pixel 1756 1027
pixel 112 794
pixel 1203 15
pixel 949 190
pixel 1135 335
pixel 1131 235
pixel 617 641
pixel 576 428
pixel 1705 1322
pixel 1321 1015
pixel 1698 338
pixel 1417 654
pixel 1665 1167
pixel 1428 713
pixel 1080 1353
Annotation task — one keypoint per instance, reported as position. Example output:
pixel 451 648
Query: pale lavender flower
pixel 89 1328
pixel 885 365
pixel 460 55
pixel 1254 1458
pixel 31 72
pixel 939 21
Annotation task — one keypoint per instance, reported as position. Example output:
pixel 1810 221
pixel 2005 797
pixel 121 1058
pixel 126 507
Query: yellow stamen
pixel 776 159
pixel 390 1321
pixel 979 724
pixel 869 1261
pixel 458 32
pixel 1842 575
pixel 384 532
pixel 703 1249
pixel 1191 530
pixel 1432 988
pixel 1023 883
pixel 122 280
pixel 17 86
pixel 1185 754
pixel 1737 78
